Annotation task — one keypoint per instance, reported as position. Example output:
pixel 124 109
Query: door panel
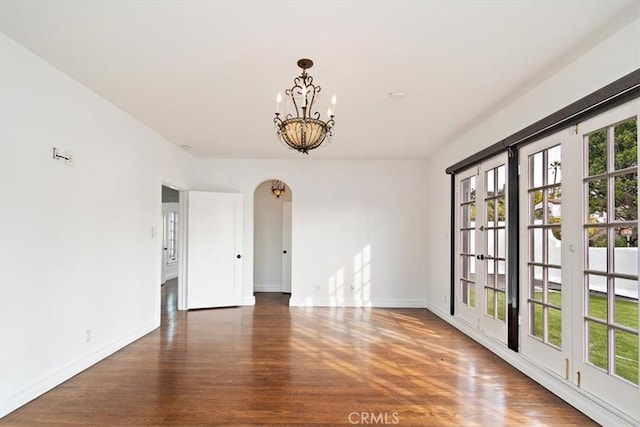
pixel 545 335
pixel 606 347
pixel 493 238
pixel 481 291
pixel 214 244
pixel 467 269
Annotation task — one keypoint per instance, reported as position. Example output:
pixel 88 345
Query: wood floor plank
pixel 272 364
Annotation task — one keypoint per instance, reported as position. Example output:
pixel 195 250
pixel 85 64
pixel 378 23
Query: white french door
pixel 606 280
pixel 545 302
pixel 481 247
pixel 214 266
pixel 579 256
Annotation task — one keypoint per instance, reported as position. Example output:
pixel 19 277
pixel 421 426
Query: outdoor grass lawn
pixel 626 313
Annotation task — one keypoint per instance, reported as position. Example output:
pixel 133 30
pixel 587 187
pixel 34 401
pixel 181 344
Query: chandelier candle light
pixel 305 131
pixel 277 188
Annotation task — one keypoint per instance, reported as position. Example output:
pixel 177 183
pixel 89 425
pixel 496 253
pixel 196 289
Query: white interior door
pixel 481 245
pixel 214 263
pixel 286 247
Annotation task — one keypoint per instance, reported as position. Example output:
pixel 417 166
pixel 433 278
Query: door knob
pixel 284 252
pixel 238 256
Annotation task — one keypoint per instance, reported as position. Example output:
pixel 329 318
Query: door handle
pixel 238 256
pixel 284 252
pixel 480 257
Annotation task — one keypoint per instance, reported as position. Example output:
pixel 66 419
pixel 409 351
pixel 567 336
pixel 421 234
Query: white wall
pixel 613 58
pixel 76 246
pixel 267 232
pixel 342 211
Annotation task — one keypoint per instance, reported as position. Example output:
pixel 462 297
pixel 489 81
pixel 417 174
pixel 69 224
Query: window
pixel 172 235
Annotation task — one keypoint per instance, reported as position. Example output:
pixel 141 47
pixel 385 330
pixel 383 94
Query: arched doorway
pixel 272 238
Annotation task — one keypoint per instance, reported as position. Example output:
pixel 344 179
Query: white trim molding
pixel 270 287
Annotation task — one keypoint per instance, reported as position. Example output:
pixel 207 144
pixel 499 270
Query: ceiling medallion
pixel 304 131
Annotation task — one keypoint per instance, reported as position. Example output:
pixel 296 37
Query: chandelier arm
pixel 315 90
pixel 289 93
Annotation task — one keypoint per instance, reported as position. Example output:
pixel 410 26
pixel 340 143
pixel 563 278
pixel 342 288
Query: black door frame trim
pixel 612 95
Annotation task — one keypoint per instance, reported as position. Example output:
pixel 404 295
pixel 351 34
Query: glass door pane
pixel 611 250
pixel 544 308
pixel 606 331
pixel 495 244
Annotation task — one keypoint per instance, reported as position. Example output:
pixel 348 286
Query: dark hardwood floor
pixel 272 364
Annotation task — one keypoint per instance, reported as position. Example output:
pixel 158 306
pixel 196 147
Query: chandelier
pixel 305 131
pixel 277 188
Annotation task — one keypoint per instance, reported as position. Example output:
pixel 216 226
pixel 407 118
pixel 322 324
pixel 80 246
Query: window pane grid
pixel 611 245
pixel 495 246
pixel 466 235
pixel 172 236
pixel 544 188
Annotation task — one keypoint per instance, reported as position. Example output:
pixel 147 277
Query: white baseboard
pixel 376 303
pixel 596 409
pixel 267 287
pixel 43 385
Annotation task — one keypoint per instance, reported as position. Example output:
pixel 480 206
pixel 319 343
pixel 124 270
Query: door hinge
pixel 574 129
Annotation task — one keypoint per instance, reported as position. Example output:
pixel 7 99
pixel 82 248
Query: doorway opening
pixel 272 242
pixel 171 242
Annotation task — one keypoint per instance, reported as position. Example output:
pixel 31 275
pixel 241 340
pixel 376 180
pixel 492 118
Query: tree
pixel 625 149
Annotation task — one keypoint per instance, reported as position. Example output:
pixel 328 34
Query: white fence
pixel 625 262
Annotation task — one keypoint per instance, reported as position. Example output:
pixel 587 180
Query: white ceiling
pixel 205 73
